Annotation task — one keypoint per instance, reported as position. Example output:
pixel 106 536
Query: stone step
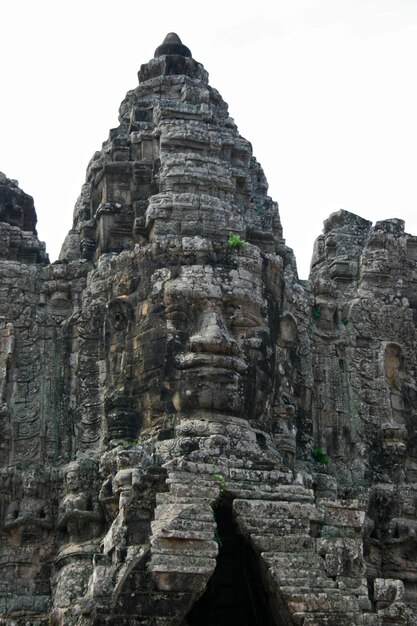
pixel 329 600
pixel 314 584
pixel 261 476
pixel 294 562
pixel 188 500
pixel 184 529
pixel 169 506
pixel 184 564
pixel 269 509
pixel 188 490
pixel 334 619
pixel 276 493
pixel 290 543
pixel 184 547
pixel 185 478
pixel 134 620
pixel 283 526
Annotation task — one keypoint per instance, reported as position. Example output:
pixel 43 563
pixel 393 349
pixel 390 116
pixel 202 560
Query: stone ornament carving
pixel 29 518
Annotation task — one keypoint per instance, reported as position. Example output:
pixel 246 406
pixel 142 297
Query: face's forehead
pixel 207 282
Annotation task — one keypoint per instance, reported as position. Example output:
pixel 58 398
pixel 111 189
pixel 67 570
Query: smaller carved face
pixel 31 481
pixel 72 480
pixel 218 349
pixel 73 477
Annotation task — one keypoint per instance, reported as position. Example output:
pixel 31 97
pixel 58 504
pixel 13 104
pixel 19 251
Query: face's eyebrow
pixel 193 290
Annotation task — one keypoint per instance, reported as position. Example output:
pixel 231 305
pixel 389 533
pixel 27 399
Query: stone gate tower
pixel 191 436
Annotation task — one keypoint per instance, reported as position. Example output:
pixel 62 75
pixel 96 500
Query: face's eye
pixel 177 315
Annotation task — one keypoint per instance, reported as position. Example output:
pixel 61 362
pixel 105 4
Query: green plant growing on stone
pixel 320 456
pixel 317 312
pixel 219 478
pixel 126 443
pixel 217 539
pixel 236 242
pixel 345 321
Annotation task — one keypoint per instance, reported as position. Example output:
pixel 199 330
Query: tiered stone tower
pixel 189 434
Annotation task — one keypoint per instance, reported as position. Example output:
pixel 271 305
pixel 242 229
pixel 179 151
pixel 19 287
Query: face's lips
pixel 194 360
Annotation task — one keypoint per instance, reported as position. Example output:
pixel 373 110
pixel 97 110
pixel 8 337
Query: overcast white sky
pixel 325 90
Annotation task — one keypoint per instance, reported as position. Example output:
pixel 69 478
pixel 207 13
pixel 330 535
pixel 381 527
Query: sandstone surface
pixel 189 434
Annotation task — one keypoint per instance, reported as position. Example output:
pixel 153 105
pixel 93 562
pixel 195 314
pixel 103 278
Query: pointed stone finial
pixel 172 44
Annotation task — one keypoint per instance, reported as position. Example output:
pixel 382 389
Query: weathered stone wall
pixel 190 434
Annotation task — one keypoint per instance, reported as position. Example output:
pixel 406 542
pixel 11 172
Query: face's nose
pixel 212 335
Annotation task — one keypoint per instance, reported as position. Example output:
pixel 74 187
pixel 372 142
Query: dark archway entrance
pixel 235 595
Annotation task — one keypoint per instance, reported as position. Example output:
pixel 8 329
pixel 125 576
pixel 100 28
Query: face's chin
pixel 211 399
pixel 208 382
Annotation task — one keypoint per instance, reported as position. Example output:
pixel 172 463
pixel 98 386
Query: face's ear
pixel 288 331
pixel 272 275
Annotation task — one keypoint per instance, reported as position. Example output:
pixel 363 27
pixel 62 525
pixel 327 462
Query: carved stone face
pixel 211 332
pixel 72 480
pixel 31 481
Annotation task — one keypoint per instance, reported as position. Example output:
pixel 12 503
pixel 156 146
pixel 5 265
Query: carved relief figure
pixel 395 433
pixel 123 470
pixel 7 344
pixel 7 347
pixel 122 419
pixel 79 513
pixel 29 518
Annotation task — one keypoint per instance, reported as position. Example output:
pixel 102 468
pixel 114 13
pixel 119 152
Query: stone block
pixel 387 591
pixel 342 516
pixel 343 557
pixel 288 543
pixel 265 509
pixel 183 565
pixel 184 547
